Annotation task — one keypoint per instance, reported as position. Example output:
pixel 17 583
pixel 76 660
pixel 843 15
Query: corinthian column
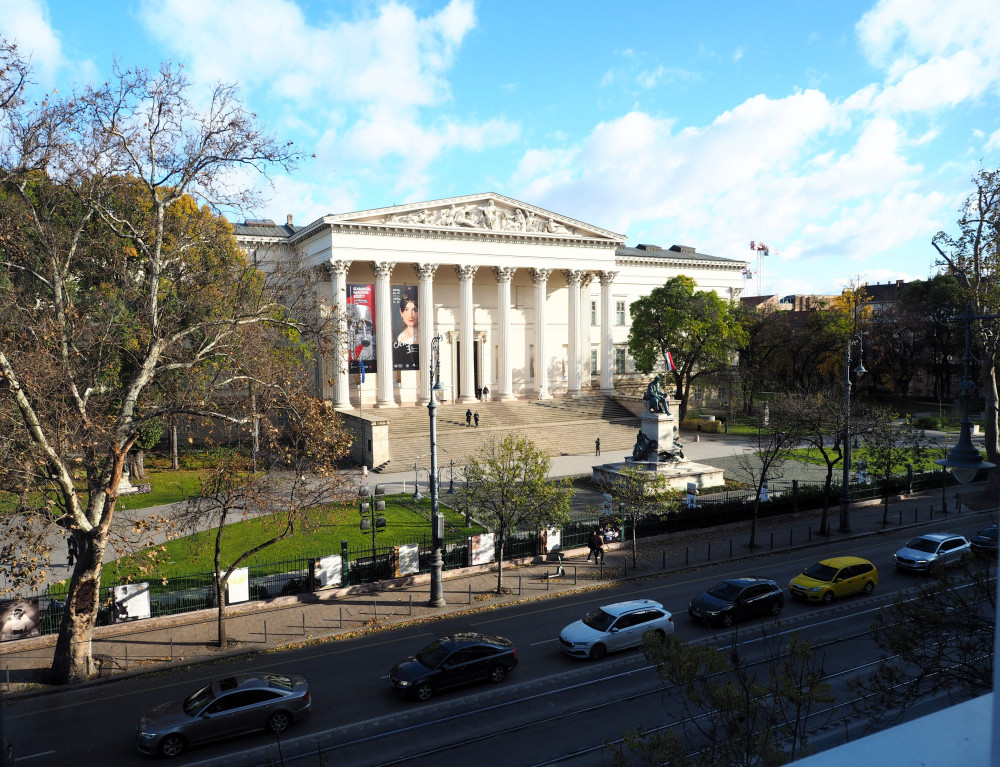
pixel 383 334
pixel 573 279
pixel 425 302
pixel 607 338
pixel 338 289
pixel 465 339
pixel 505 382
pixel 585 376
pixel 540 277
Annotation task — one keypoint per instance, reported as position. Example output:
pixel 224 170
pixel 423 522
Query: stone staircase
pixel 560 426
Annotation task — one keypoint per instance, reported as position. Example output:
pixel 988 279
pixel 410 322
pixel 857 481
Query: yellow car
pixel 837 577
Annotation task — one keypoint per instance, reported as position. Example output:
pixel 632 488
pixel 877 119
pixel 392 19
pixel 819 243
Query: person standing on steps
pixel 597 446
pixel 468 417
pixel 475 417
pixel 486 393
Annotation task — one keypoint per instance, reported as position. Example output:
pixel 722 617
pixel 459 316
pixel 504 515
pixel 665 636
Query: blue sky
pixel 842 134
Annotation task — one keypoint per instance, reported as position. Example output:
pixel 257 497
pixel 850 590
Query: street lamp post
pixel 372 510
pixel 437 521
pixel 964 459
pixel 845 490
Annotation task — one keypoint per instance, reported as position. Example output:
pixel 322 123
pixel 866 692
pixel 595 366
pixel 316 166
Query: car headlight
pixel 402 683
pixel 815 588
pixel 146 735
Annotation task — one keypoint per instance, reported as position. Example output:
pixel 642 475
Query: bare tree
pixel 778 433
pixel 126 299
pixel 299 490
pixel 887 444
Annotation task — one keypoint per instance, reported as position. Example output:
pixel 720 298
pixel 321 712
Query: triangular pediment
pixel 488 212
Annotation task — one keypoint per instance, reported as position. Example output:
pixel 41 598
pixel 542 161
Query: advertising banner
pixel 18 619
pixel 130 602
pixel 329 571
pixel 405 324
pixel 239 586
pixel 482 549
pixel 361 328
pixel 408 560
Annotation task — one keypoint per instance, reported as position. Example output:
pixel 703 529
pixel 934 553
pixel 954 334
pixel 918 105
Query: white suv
pixel 931 551
pixel 615 627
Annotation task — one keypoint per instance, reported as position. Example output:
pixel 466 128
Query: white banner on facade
pixel 130 602
pixel 239 586
pixel 409 559
pixel 482 549
pixel 553 540
pixel 329 571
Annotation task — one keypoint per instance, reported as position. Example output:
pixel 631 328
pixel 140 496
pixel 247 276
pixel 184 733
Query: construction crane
pixel 762 250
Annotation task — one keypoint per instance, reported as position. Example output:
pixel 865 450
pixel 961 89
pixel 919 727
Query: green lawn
pixel 193 554
pixel 923 462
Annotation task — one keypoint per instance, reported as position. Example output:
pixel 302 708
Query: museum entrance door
pixel 476 373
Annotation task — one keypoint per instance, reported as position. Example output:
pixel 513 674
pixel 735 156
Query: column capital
pixel 504 273
pixel 320 273
pixel 539 275
pixel 586 279
pixel 425 271
pixel 338 267
pixel 573 276
pixel 607 277
pixel 466 272
pixel 383 269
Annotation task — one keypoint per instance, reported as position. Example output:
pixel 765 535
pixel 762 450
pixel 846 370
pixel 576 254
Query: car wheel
pixel 869 587
pixel 659 636
pixel 598 651
pixel 828 597
pixel 498 674
pixel 776 609
pixel 424 691
pixel 727 619
pixel 171 746
pixel 278 722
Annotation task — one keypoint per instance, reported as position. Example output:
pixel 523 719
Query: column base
pixel 543 395
pixel 467 399
pixel 389 403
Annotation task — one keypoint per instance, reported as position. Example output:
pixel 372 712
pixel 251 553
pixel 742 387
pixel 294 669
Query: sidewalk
pixel 292 621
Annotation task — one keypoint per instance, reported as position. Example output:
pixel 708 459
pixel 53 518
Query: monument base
pixel 677 473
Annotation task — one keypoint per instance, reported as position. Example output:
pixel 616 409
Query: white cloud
pixel 27 23
pixel 934 54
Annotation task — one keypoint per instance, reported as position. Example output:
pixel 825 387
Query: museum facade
pixel 524 302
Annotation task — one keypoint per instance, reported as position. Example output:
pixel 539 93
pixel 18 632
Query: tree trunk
pixel 220 602
pixel 175 463
pixel 500 569
pixel 137 463
pixel 72 659
pixel 991 436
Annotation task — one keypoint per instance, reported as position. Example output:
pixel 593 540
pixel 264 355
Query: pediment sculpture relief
pixel 486 216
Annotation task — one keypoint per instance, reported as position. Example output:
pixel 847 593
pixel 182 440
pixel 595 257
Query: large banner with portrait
pixel 405 328
pixel 18 619
pixel 130 602
pixel 361 328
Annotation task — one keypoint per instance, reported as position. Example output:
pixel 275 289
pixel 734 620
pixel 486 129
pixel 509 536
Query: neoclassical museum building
pixel 527 302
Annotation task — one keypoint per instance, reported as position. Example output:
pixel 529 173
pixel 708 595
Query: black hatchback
pixel 737 599
pixel 984 543
pixel 453 661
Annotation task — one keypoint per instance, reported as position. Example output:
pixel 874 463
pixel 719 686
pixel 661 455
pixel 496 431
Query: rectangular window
pixel 593 362
pixel 619 361
pixel 593 314
pixel 619 312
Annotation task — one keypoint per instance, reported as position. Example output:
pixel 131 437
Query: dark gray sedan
pixel 231 706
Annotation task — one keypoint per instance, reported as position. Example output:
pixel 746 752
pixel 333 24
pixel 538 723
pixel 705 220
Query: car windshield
pixel 820 572
pixel 432 655
pixel 281 682
pixel 599 620
pixel 923 544
pixel 727 592
pixel 194 702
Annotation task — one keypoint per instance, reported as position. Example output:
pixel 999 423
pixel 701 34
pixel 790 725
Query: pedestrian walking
pixel 479 394
pixel 596 544
pixel 73 550
pixel 475 417
pixel 486 393
pixel 597 446
pixel 468 417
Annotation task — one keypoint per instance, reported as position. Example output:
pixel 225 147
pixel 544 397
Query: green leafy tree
pixel 698 328
pixel 126 301
pixel 888 444
pixel 508 487
pixel 640 494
